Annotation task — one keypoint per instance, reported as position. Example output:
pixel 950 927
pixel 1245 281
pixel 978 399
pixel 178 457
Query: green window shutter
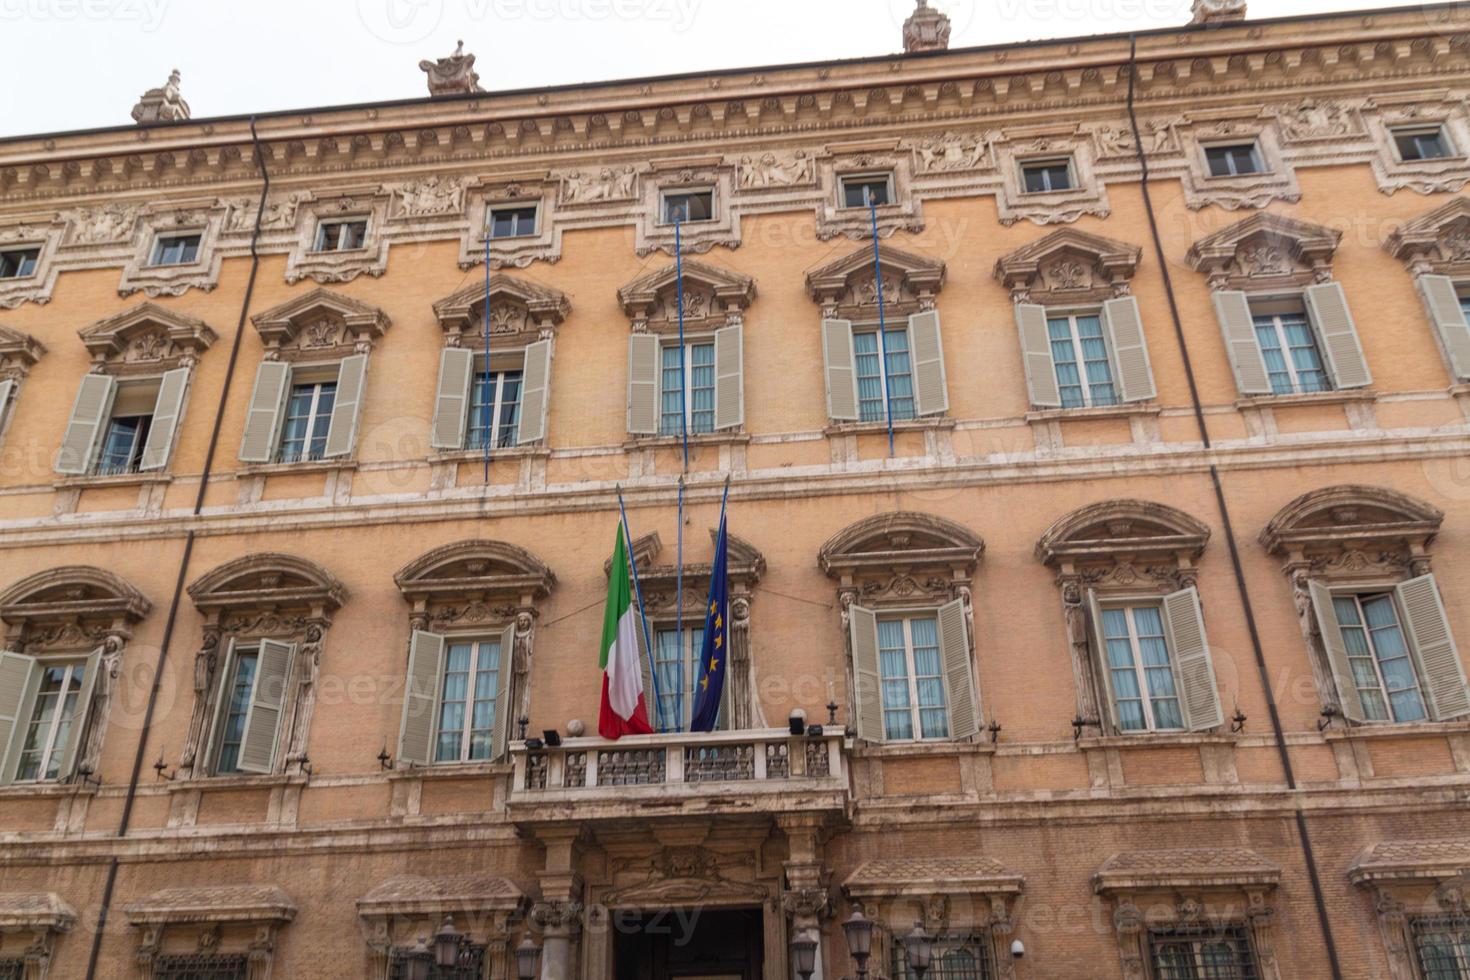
pixel 1349 700
pixel 1041 372
pixel 267 408
pixel 1442 300
pixel 19 677
pixel 1429 630
pixel 80 716
pixel 1340 344
pixel 867 679
pixel 959 674
pixel 643 386
pixel 1238 326
pixel 500 736
pixel 267 705
pixel 167 410
pixel 840 370
pixel 346 407
pixel 931 390
pixel 421 698
pixel 730 377
pixel 1135 376
pixel 1184 623
pixel 84 430
pixel 452 398
pixel 535 393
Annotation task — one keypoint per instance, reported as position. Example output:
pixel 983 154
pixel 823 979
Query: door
pixel 688 944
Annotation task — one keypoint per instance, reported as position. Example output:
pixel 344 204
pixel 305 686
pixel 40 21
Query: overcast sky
pixel 75 64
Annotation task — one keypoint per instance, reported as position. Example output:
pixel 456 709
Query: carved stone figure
pixel 1316 117
pixel 608 185
pixel 432 195
pixel 105 223
pixel 769 170
pixel 162 104
pixel 453 75
pixel 1217 11
pixel 951 151
pixel 926 30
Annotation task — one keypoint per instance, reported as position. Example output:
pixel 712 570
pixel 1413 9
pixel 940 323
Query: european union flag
pixel 713 655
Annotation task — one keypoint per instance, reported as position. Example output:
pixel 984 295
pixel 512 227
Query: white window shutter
pixel 267 407
pixel 643 386
pixel 452 398
pixel 1443 302
pixel 1233 310
pixel 867 679
pixel 1041 372
pixel 1184 623
pixel 346 407
pixel 7 388
pixel 840 370
pixel 80 714
pixel 1349 701
pixel 167 411
pixel 222 682
pixel 1135 376
pixel 931 390
pixel 1334 323
pixel 501 734
pixel 1100 644
pixel 959 674
pixel 730 377
pixel 421 698
pixel 535 393
pixel 1429 631
pixel 267 705
pixel 84 430
pixel 19 676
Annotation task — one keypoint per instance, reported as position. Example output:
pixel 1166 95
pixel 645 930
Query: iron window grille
pixel 956 957
pixel 473 967
pixel 12 970
pixel 1442 946
pixel 1204 952
pixel 201 966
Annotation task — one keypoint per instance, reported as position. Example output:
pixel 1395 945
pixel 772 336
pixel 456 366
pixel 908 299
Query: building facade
pixel 1106 527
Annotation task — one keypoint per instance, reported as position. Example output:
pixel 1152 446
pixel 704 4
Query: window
pixel 236 709
pixel 1202 953
pixel 308 417
pixel 1235 160
pixel 472 969
pixel 1289 347
pixel 175 250
pixel 912 676
pixel 697 370
pixel 688 206
pixel 1378 653
pixel 122 446
pixel 340 236
pixel 18 263
pixel 12 970
pixel 874 371
pixel 512 222
pixel 128 436
pixel 1039 176
pixel 201 966
pixel 676 660
pixel 1422 143
pixel 1079 352
pixel 1140 672
pixel 50 728
pixel 1442 946
pixel 955 958
pixel 860 189
pixel 496 397
pixel 467 694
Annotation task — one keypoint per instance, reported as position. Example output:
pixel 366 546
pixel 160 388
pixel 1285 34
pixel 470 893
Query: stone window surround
pixel 529 189
pixel 1266 253
pixel 37 287
pixel 1276 182
pixel 902 213
pixel 304 262
pixel 488 910
pixel 1437 243
pixel 42 915
pixel 355 327
pixel 1407 878
pixel 1016 146
pixel 230 919
pixel 696 174
pixel 19 352
pixel 197 217
pixel 1384 114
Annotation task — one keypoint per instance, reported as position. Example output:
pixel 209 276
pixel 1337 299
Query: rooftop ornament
pixel 162 104
pixel 1217 11
pixel 454 75
pixel 926 30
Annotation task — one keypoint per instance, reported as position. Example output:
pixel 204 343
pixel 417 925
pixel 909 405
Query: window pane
pixel 692 206
pixel 498 397
pixel 869 377
pixel 236 709
pixel 858 192
pixel 1202 953
pixel 122 446
pixel 893 667
pixel 308 417
pixel 671 663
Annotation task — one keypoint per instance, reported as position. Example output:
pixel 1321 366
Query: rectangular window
pixel 1079 351
pixel 698 369
pixel 50 728
pixel 1378 652
pixel 874 372
pixel 688 206
pixel 1422 143
pixel 236 708
pixel 308 417
pixel 1039 176
pixel 512 222
pixel 122 446
pixel 341 236
pixel 19 263
pixel 1202 953
pixel 473 967
pixel 860 189
pixel 1442 946
pixel 676 666
pixel 1235 160
pixel 1140 671
pixel 201 966
pixel 495 397
pixel 954 958
pixel 175 250
pixel 1289 347
pixel 912 675
pixel 467 700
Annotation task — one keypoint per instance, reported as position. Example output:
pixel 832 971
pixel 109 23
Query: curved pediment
pixel 1351 513
pixel 147 334
pixel 321 320
pixel 516 306
pixel 1068 264
pixel 904 538
pixel 848 286
pixel 72 590
pixel 1105 529
pixel 711 294
pixel 18 352
pixel 468 567
pixel 1265 250
pixel 268 579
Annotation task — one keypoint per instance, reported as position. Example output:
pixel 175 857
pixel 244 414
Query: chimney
pixel 926 30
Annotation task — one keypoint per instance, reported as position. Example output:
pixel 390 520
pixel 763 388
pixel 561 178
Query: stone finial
pixel 926 30
pixel 1217 11
pixel 453 75
pixel 162 104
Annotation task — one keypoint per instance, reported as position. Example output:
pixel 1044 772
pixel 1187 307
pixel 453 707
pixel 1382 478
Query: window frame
pixel 339 225
pixel 865 178
pixel 691 664
pixel 73 685
pixel 1410 131
pixel 303 377
pixel 691 341
pixel 1279 305
pixel 873 327
pixel 160 249
pixel 1129 603
pixel 135 452
pixel 22 271
pixel 1199 935
pixel 1026 164
pixel 497 405
pixel 906 615
pixel 1358 591
pixel 1451 923
pixel 1257 158
pixel 515 207
pixel 665 194
pixel 1070 314
pixel 978 943
pixel 466 733
pixel 228 683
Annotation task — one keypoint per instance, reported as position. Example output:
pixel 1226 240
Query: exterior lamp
pixel 448 942
pixel 858 929
pixel 804 948
pixel 528 957
pixel 420 960
pixel 919 947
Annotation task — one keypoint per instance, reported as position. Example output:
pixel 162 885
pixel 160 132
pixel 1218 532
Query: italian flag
pixel 623 710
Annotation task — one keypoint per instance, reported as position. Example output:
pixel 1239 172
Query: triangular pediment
pixel 718 291
pixel 19 349
pixel 147 332
pixel 1265 250
pixel 1441 237
pixel 1068 260
pixel 915 273
pixel 320 318
pixel 516 304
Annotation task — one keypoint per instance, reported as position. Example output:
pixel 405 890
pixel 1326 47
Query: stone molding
pixel 42 915
pixel 1276 182
pixel 320 325
pixel 847 287
pixel 713 298
pixel 1068 266
pixel 1265 251
pixel 1447 175
pixel 45 237
pixel 1411 878
pixel 231 919
pixel 154 221
pixel 19 352
pixel 531 188
pixel 902 213
pixel 1437 242
pixel 521 312
pixel 1018 145
pixel 651 234
pixel 404 908
pixel 146 339
pixel 307 213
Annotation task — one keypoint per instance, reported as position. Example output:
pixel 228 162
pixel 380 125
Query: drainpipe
pixel 173 609
pixel 1309 856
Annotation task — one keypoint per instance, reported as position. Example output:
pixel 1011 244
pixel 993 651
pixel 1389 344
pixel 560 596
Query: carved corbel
pixel 557 916
pixel 1128 927
pixel 742 697
pixel 1261 918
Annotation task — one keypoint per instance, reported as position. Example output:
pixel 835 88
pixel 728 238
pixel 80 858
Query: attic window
pixel 19 263
pixel 1422 143
pixel 175 250
pixel 1041 176
pixel 1234 160
pixel 688 205
pixel 341 236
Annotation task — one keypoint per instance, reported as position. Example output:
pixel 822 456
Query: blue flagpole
pixel 642 612
pixel 485 402
pixel 683 354
pixel 679 591
pixel 882 325
pixel 700 708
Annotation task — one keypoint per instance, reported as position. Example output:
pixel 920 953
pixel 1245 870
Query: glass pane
pixel 237 707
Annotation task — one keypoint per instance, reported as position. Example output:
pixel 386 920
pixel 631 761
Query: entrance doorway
pixel 688 944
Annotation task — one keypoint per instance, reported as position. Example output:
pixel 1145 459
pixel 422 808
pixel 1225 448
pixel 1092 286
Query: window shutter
pixel 221 686
pixel 1348 698
pixel 1094 615
pixel 501 735
pixel 19 676
pixel 931 393
pixel 78 730
pixel 643 387
pixel 1041 373
pixel 840 370
pixel 1429 630
pixel 867 679
pixel 1233 310
pixel 84 431
pixel 1185 623
pixel 1135 375
pixel 263 417
pixel 267 704
pixel 959 675
pixel 166 412
pixel 535 393
pixel 1329 308
pixel 346 407
pixel 645 674
pixel 1443 302
pixel 452 398
pixel 730 377
pixel 421 698
pixel 6 388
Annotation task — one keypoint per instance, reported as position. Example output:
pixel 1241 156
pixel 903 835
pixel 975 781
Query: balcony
pixel 744 772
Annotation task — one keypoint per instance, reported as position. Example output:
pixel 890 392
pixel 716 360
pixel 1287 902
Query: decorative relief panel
pixel 1432 176
pixel 1264 252
pixel 1019 145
